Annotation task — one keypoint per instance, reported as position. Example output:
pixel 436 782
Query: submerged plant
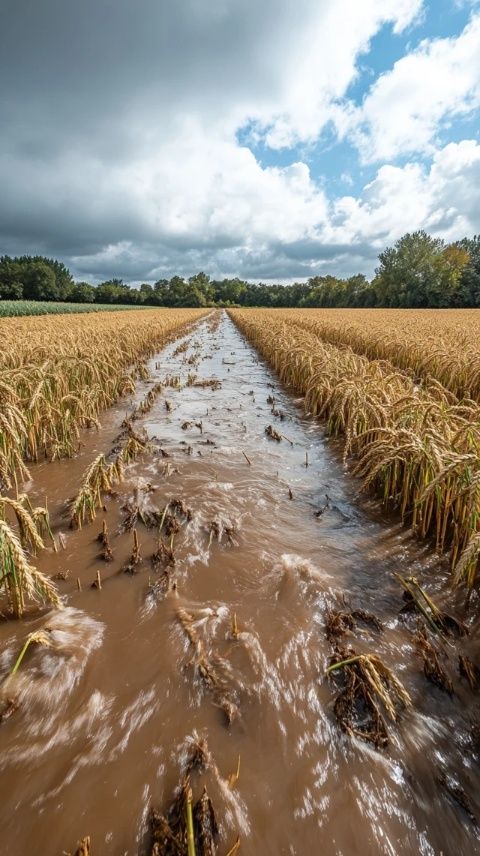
pixel 368 686
pixel 38 637
pixel 135 557
pixel 19 580
pixel 97 479
pixel 188 828
pixel 438 621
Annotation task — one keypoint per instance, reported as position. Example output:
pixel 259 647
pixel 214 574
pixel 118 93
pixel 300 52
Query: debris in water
pixel 367 684
pixel 234 777
pixel 339 623
pixel 212 669
pixel 468 670
pixel 205 824
pixel 213 384
pixel 432 668
pixel 163 557
pixel 274 435
pixel 200 758
pixel 107 553
pixel 234 631
pixel 135 558
pixel 439 622
pixel 187 829
pixel 8 706
pixel 368 618
pixel 179 507
pixel 236 847
pixel 322 510
pixel 458 795
pixel 215 531
pixel 83 848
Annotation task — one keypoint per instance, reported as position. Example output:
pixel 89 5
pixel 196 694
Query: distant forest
pixel 418 271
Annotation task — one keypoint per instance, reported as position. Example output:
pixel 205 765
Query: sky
pixel 271 140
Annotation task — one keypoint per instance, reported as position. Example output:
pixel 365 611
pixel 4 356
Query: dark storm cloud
pixel 87 88
pixel 119 151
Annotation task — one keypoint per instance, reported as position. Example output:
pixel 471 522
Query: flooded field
pixel 202 608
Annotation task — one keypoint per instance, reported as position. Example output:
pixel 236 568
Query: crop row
pixel 416 446
pixel 19 308
pixel 57 377
pixel 428 344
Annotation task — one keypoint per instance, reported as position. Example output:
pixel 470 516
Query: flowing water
pixel 106 714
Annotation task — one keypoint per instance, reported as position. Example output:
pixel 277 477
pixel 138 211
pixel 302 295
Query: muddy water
pixel 106 714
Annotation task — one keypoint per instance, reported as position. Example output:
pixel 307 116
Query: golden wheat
pixel 416 445
pixel 428 344
pixel 57 375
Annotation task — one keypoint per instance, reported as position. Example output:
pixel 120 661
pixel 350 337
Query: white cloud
pixel 405 107
pixel 121 156
pixel 275 223
pixel 323 63
pixel 442 199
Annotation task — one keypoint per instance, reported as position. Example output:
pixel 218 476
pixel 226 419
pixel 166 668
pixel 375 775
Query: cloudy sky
pixel 271 140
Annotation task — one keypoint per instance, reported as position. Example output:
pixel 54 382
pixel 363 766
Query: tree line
pixel 418 271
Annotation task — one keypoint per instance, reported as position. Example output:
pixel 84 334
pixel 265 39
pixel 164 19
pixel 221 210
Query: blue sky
pixel 334 163
pixel 270 141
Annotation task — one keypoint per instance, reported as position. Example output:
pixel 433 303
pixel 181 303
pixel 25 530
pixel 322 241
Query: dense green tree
pixel 39 282
pixel 63 278
pixel 11 290
pixel 417 271
pixel 468 293
pixel 202 288
pixel 116 291
pixel 82 292
pixel 407 273
pixel 146 293
pixel 11 284
pixel 229 292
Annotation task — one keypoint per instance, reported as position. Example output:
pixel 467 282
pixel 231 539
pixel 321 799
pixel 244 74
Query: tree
pixel 200 287
pixel 445 288
pixel 146 293
pixel 469 287
pixel 228 292
pixel 12 290
pixel 11 285
pixel 82 292
pixel 116 291
pixel 408 272
pixel 160 292
pixel 63 277
pixel 39 282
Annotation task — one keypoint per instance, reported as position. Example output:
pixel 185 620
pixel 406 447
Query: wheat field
pixel 55 379
pixel 426 343
pixel 399 388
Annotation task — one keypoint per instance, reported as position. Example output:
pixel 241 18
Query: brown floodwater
pixel 107 714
